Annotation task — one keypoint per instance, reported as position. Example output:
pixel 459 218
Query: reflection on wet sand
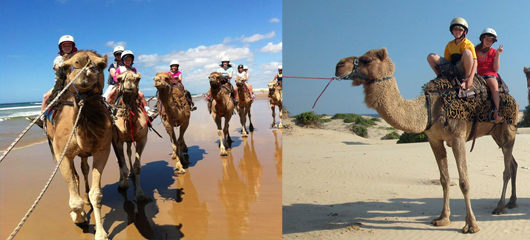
pixel 278 152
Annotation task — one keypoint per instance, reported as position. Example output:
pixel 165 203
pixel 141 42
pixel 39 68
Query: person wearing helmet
pixel 127 61
pixel 226 72
pixel 66 46
pixel 176 80
pixel 118 50
pixel 459 56
pixel 277 78
pixel 488 66
pixel 242 75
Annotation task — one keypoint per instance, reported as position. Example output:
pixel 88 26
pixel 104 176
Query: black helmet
pixel 240 66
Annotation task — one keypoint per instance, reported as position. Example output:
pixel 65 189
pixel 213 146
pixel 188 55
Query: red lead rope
pixel 330 80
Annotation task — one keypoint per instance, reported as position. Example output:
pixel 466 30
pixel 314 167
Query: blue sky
pixel 196 33
pixel 317 34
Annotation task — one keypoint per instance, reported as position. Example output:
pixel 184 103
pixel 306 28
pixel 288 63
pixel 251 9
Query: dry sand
pixel 238 196
pixel 341 186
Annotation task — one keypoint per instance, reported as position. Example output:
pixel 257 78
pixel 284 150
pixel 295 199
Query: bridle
pixel 355 72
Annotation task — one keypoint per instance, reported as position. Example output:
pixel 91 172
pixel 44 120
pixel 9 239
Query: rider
pixel 226 72
pixel 277 78
pixel 176 80
pixel 66 46
pixel 127 60
pixel 118 50
pixel 243 76
pixel 459 56
pixel 488 66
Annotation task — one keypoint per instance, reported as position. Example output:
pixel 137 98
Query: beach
pixel 233 197
pixel 338 185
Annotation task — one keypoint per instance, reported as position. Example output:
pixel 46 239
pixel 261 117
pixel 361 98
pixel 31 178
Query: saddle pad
pixel 479 106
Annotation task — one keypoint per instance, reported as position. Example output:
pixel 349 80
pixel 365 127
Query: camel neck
pixel 403 114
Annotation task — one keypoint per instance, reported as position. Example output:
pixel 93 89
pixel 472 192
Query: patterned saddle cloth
pixel 473 103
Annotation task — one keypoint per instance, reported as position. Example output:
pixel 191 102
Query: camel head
pixel 272 86
pixel 92 75
pixel 216 80
pixel 372 66
pixel 239 82
pixel 162 80
pixel 129 82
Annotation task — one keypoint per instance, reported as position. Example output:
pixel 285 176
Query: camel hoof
pixel 441 222
pixel 499 211
pixel 141 198
pixel 78 218
pixel 280 126
pixel 102 235
pixel 511 204
pixel 178 171
pixel 472 229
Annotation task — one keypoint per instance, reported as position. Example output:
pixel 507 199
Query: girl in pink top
pixel 176 80
pixel 488 65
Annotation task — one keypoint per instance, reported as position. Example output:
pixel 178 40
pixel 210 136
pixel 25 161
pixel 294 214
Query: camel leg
pixel 280 126
pixel 139 195
pixel 440 154
pixel 100 160
pixel 85 168
pixel 171 132
pixel 505 139
pixel 181 145
pixel 221 143
pixel 250 126
pixel 226 132
pixel 76 203
pixel 459 151
pixel 273 115
pixel 243 120
pixel 124 171
pixel 129 155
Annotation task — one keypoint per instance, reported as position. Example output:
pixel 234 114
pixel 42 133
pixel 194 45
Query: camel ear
pixel 68 64
pixel 525 69
pixel 139 76
pixel 382 53
pixel 101 62
pixel 119 77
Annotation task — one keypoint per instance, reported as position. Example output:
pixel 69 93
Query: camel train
pixel 443 117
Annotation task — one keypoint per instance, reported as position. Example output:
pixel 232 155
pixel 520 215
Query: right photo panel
pixel 405 120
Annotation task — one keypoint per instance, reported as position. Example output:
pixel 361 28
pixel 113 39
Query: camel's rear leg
pixel 280 126
pixel 250 126
pixel 273 115
pixel 139 195
pixel 441 159
pixel 243 120
pixel 505 138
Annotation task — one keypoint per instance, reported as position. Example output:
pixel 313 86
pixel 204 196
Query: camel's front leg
pixel 273 115
pixel 100 160
pixel 181 144
pixel 76 202
pixel 179 169
pixel 281 115
pixel 139 195
pixel 221 143
pixel 459 151
pixel 441 159
pixel 124 171
pixel 243 119
pixel 250 126
pixel 85 168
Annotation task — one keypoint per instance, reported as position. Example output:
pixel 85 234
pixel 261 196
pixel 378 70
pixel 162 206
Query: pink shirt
pixel 485 64
pixel 174 77
pixel 121 70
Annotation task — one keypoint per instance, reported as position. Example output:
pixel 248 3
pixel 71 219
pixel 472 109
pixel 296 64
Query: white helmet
pixel 65 38
pixel 118 49
pixel 225 59
pixel 127 53
pixel 174 62
pixel 280 67
pixel 488 32
pixel 245 67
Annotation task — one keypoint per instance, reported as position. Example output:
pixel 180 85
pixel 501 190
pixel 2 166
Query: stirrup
pixel 492 116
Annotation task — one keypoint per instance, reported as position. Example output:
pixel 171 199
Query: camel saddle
pixel 473 105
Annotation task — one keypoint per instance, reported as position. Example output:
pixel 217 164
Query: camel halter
pixel 364 77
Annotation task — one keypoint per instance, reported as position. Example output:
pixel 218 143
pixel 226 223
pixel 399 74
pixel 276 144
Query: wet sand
pixel 234 197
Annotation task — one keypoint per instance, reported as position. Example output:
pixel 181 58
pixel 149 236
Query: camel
pixel 245 103
pixel 275 99
pixel 222 106
pixel 375 71
pixel 92 132
pixel 130 127
pixel 175 112
pixel 527 73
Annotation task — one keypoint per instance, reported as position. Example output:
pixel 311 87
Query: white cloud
pixel 274 20
pixel 271 66
pixel 271 48
pixel 258 37
pixel 113 44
